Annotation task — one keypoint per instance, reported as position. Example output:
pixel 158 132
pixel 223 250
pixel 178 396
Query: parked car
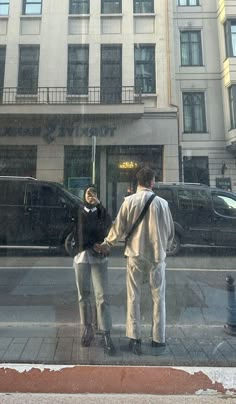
pixel 36 214
pixel 202 215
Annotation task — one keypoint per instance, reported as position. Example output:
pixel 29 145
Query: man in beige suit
pixel 146 253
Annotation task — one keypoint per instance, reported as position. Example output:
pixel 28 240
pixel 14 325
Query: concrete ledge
pixel 116 379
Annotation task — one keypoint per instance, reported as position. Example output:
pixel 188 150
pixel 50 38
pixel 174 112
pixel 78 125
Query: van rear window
pixel 166 194
pixel 192 199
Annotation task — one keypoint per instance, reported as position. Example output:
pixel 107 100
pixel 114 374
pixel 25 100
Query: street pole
pixel 93 159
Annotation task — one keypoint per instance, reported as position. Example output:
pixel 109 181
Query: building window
pixel 111 74
pixel 191 48
pixel 143 6
pixel 230 38
pixel 78 68
pixel 194 112
pixel 2 66
pixel 188 2
pixel 32 7
pixel 79 6
pixel 28 70
pixel 144 60
pixel 4 7
pixel 232 101
pixel 196 169
pixel 111 6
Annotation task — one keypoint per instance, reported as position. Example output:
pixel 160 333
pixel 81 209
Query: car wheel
pixel 175 247
pixel 70 245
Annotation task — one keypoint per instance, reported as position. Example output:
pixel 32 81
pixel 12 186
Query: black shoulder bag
pixel 140 218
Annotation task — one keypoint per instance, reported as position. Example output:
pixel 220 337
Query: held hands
pixel 102 249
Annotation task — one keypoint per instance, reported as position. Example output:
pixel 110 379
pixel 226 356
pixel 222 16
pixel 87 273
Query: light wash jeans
pixel 97 272
pixel 136 268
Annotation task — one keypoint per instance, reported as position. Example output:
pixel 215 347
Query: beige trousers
pixel 136 268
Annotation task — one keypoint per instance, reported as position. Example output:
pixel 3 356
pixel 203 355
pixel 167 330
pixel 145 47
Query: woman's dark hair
pixel 145 176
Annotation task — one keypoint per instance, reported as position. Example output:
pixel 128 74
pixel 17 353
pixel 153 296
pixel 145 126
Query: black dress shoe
pixel 87 336
pixel 109 347
pixel 158 344
pixel 135 346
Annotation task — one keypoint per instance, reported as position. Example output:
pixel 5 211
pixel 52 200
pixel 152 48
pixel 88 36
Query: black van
pixel 202 215
pixel 36 214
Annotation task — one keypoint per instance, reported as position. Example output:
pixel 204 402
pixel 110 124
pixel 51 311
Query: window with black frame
pixel 232 103
pixel 78 69
pixel 4 7
pixel 111 6
pixel 191 48
pixel 79 7
pixel 194 112
pixel 33 7
pixel 2 68
pixel 111 74
pixel 144 60
pixel 28 69
pixel 143 6
pixel 188 2
pixel 230 38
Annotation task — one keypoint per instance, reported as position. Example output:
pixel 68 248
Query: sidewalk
pixel 110 399
pixel 186 346
pixel 49 359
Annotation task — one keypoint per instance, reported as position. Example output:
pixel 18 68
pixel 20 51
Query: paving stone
pixel 46 352
pixel 15 350
pixel 31 349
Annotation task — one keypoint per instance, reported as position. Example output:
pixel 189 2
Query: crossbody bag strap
pixel 140 218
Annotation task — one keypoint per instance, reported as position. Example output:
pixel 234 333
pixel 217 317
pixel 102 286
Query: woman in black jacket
pixel 94 223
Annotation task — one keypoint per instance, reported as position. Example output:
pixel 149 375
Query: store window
pixel 78 168
pixel 230 38
pixel 144 65
pixel 191 48
pixel 32 7
pixel 18 160
pixel 78 69
pixel 4 7
pixel 28 70
pixel 79 7
pixel 111 6
pixel 196 170
pixel 194 112
pixel 143 6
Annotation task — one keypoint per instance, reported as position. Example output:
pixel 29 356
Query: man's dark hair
pixel 145 176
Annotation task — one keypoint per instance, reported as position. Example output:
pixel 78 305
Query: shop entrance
pixel 123 162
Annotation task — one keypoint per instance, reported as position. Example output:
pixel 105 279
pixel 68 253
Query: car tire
pixel 70 245
pixel 175 247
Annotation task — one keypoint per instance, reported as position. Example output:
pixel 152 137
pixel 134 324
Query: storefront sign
pixel 52 131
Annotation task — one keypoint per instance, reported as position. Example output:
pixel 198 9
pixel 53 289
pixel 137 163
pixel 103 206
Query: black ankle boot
pixel 135 346
pixel 109 347
pixel 87 336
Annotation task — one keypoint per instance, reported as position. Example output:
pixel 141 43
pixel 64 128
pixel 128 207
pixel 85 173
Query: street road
pixel 40 289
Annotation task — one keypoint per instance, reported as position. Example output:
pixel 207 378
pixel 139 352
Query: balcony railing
pixel 64 95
